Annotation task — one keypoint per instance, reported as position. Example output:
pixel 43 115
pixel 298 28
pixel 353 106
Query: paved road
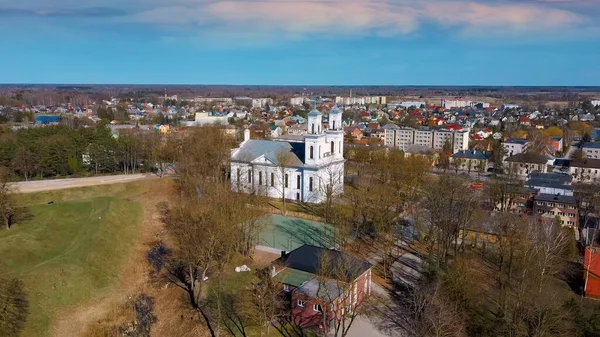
pixel 59 184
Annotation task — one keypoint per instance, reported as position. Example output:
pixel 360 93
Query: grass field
pixel 71 252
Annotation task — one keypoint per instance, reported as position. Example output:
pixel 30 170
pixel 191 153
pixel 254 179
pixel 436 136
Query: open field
pixel 81 256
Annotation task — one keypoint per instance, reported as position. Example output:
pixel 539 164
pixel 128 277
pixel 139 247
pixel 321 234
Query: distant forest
pixel 86 93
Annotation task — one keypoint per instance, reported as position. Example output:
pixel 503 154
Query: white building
pixel 510 106
pixel 297 100
pixel 204 118
pixel 455 103
pixel 261 102
pixel 361 100
pixel 307 169
pixel 482 105
pixel 213 99
pixel 416 104
pixel 514 146
pixel 403 138
pixel 424 137
pixel 596 102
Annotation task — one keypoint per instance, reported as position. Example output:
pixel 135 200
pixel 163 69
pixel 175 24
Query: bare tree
pixel 588 201
pixel 7 204
pixel 450 207
pixel 284 160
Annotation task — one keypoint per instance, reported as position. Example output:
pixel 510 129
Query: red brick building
pixel 591 265
pixel 322 285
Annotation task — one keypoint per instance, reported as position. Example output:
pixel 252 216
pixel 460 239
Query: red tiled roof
pixel 453 127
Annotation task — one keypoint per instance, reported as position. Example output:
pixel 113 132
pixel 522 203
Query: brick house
pixel 550 206
pixel 322 285
pixel 591 275
pixel 353 132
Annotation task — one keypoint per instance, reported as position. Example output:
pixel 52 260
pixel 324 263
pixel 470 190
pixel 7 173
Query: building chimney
pixel 246 134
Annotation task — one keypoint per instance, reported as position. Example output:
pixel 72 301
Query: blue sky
pixel 337 42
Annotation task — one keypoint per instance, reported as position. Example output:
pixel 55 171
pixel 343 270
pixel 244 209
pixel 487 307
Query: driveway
pixel 383 317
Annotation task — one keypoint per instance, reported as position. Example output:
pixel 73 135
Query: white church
pixel 305 168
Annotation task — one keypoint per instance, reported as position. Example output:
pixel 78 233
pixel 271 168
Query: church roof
pixel 253 148
pixel 335 110
pixel 315 112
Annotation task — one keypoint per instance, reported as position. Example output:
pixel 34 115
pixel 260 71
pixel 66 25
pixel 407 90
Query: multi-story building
pixel 461 140
pixel 470 160
pixel 213 99
pixel 261 102
pixel 514 146
pixel 361 100
pixel 403 138
pixel 523 164
pixel 591 150
pixel 455 103
pixel 561 207
pixel 551 183
pixel 441 137
pixel 424 137
pixel 415 104
pixel 297 100
pixel 587 170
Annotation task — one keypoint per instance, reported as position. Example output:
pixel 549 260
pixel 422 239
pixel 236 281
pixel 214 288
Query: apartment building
pixel 424 137
pixel 361 100
pixel 298 100
pixel 549 206
pixel 514 146
pixel 591 150
pixel 455 103
pixel 403 138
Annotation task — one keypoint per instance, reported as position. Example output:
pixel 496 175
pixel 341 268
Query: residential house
pixel 523 164
pixel 422 151
pixel 276 131
pixel 554 206
pixel 353 132
pixel 556 143
pixel 307 169
pixel 585 170
pixel 322 285
pixel 470 160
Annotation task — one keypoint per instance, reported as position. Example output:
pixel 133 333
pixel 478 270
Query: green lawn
pixel 70 252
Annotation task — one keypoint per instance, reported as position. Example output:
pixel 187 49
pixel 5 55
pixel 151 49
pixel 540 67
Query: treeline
pixel 56 151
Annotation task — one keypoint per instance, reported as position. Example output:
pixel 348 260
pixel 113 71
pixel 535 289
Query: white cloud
pixel 297 19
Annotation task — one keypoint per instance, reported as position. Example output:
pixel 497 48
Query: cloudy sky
pixel 347 42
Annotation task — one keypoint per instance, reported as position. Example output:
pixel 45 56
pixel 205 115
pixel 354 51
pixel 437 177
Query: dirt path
pixel 58 184
pixel 133 280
